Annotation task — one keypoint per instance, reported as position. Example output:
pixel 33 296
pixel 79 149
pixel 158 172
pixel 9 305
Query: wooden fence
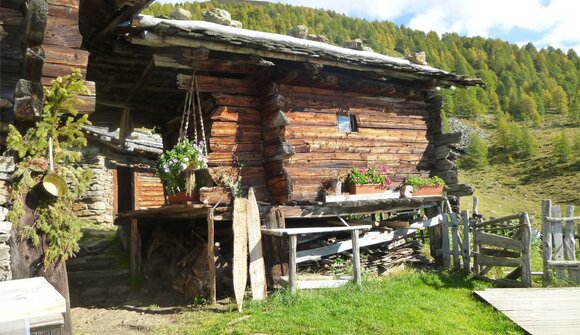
pixel 503 242
pixel 559 244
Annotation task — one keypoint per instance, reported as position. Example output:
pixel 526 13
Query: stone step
pixel 98 277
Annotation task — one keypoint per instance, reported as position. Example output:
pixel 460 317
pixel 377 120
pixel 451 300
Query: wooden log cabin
pixel 288 115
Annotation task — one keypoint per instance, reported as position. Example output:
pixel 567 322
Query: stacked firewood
pixel 374 259
pixel 184 266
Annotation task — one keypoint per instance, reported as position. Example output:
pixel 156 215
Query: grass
pixel 409 302
pixel 504 188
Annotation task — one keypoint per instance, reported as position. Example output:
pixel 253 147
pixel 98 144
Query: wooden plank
pixel 455 240
pixel 497 261
pixel 465 246
pixel 34 300
pixel 569 238
pixel 372 238
pixel 356 258
pixel 445 244
pixel 526 233
pixel 257 268
pixel 240 266
pixel 498 241
pixel 558 238
pixel 313 230
pixel 546 240
pixel 292 263
pixel 211 257
pixel 538 311
pixel 135 248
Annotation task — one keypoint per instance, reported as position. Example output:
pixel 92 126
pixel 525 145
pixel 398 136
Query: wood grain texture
pixel 257 268
pixel 240 259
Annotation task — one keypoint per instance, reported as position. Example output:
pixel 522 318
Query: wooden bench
pixel 30 304
pixel 559 244
pixel 292 233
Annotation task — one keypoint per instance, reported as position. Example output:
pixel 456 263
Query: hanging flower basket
pixel 176 167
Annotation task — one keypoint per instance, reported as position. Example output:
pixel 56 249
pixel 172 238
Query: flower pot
pixel 181 198
pixel 367 189
pixel 428 190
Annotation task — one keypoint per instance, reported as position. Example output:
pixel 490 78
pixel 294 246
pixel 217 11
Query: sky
pixel 542 22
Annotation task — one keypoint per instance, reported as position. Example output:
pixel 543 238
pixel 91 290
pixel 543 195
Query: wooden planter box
pixel 367 189
pixel 181 198
pixel 428 190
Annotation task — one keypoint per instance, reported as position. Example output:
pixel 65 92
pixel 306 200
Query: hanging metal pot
pixel 52 183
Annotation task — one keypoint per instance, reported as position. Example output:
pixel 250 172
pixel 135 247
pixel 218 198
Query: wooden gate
pixel 559 244
pixel 504 242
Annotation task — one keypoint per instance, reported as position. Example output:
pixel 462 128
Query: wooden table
pixel 292 234
pixel 33 303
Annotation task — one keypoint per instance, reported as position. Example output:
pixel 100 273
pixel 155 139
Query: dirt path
pixel 110 321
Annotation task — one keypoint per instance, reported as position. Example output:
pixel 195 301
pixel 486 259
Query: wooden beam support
pixel 123 14
pixel 135 248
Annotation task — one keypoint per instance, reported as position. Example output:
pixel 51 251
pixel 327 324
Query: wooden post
pixel 355 257
pixel 526 266
pixel 240 267
pixel 135 248
pixel 569 239
pixel 211 257
pixel 475 206
pixel 455 240
pixel 445 241
pixel 546 239
pixel 466 246
pixel 558 237
pixel 570 244
pixel 292 280
pixel 276 256
pixel 257 269
pixel 435 236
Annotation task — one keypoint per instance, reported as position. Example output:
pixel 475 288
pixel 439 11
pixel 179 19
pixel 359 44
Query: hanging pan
pixel 52 183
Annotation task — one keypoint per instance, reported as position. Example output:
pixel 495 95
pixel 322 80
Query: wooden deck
pixel 538 310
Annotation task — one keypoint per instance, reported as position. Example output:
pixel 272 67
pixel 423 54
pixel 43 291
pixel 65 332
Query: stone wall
pixel 97 206
pixel 6 169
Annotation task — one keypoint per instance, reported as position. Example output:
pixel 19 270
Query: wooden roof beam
pixel 123 14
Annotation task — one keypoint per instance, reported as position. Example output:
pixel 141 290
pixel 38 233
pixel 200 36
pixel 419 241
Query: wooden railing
pixel 559 244
pixel 503 242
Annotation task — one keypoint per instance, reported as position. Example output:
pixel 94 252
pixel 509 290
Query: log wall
pixel 392 132
pixel 148 189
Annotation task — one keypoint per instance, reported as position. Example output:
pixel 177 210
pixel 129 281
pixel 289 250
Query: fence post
pixel 546 240
pixel 466 247
pixel 445 241
pixel 526 265
pixel 455 240
pixel 475 206
pixel 558 240
pixel 569 241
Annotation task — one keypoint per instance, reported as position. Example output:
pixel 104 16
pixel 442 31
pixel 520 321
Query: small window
pixel 346 123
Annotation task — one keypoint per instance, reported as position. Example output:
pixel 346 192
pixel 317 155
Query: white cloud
pixel 556 21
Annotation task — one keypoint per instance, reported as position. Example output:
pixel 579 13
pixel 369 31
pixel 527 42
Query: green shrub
pixel 562 148
pixel 477 153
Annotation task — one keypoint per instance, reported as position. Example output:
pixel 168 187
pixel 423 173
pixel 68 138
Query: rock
pixel 5 227
pixel 449 176
pixel 98 205
pixel 299 31
pixel 3 212
pixel 3 199
pixel 5 104
pixel 356 44
pixel 417 58
pixel 367 49
pixel 236 24
pixel 5 176
pixel 317 38
pixel 444 164
pixel 447 138
pixel 4 188
pixel 4 252
pixel 180 14
pixel 441 152
pixel 218 15
pixel 7 164
pixel 460 190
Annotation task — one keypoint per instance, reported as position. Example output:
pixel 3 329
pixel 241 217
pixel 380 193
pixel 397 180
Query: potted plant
pixel 368 181
pixel 423 186
pixel 176 168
